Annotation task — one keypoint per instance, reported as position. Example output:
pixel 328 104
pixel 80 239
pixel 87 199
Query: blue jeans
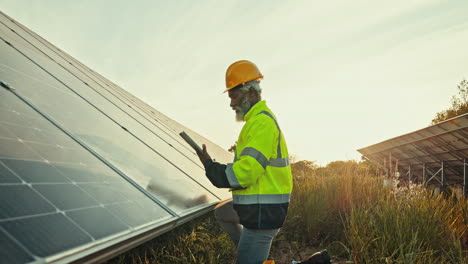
pixel 253 245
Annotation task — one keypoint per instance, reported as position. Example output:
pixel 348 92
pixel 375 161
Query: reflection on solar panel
pixel 86 169
pixel 433 155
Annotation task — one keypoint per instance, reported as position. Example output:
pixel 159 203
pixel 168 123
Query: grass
pixel 199 242
pixel 342 207
pixel 411 226
pixel 345 208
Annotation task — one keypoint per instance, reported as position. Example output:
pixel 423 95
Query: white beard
pixel 242 109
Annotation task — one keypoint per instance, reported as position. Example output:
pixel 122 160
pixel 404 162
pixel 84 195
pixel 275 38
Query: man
pixel 260 176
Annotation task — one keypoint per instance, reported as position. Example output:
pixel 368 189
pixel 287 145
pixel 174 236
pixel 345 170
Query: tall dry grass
pixel 198 242
pixel 344 207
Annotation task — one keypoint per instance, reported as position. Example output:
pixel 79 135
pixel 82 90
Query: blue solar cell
pixel 84 173
pixel 65 196
pixel 6 176
pixel 104 192
pixel 11 252
pixel 35 171
pixel 131 213
pixel 21 200
pixel 48 234
pixel 97 222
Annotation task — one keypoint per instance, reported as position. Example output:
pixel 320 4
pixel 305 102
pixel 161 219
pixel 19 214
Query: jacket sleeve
pixel 261 141
pixel 216 173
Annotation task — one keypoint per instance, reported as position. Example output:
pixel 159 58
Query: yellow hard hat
pixel 241 72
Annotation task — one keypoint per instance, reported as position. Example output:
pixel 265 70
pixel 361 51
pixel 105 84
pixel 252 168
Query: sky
pixel 339 75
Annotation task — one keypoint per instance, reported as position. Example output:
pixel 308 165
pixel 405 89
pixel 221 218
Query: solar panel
pixel 51 204
pixel 118 96
pixel 84 165
pixel 439 150
pixel 108 131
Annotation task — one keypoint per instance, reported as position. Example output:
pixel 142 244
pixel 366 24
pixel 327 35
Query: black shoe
pixel 321 257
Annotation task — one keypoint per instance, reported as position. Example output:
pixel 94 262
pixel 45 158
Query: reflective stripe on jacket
pixel 260 176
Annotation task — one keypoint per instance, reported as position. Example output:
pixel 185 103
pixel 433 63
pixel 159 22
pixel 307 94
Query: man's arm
pixel 215 171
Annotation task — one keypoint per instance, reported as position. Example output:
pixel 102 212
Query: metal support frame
pixel 385 168
pixel 424 173
pixel 464 177
pixel 442 165
pixel 429 173
pixel 409 173
pixel 434 176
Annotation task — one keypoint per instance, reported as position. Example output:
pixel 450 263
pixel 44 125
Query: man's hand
pixel 203 155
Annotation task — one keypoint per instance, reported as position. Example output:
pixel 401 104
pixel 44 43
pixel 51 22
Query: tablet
pixel 190 141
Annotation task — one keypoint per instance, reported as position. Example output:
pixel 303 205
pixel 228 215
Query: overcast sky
pixel 339 75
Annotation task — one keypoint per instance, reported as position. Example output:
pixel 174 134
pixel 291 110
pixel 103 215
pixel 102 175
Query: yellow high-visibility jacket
pixel 260 176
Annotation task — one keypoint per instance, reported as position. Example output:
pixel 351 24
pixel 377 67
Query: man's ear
pixel 253 95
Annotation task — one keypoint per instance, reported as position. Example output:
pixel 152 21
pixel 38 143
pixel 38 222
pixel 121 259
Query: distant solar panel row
pixel 82 161
pixel 442 147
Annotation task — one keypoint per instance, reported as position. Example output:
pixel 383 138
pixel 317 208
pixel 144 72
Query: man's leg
pixel 229 220
pixel 254 245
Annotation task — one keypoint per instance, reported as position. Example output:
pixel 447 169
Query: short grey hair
pixel 255 85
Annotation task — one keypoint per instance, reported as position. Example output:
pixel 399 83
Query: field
pixel 343 207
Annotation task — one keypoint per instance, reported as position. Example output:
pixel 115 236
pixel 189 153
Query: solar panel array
pixel 441 149
pixel 83 162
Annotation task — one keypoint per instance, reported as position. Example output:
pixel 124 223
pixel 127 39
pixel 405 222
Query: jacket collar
pixel 255 109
